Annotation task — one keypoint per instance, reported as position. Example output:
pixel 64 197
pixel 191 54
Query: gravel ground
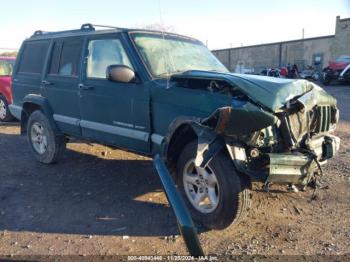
pixel 99 201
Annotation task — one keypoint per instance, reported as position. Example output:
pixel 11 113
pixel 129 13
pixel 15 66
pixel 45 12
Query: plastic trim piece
pixel 115 130
pixel 16 111
pixel 66 119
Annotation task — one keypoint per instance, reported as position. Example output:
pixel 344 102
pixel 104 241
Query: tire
pixel 5 115
pixel 231 189
pixel 45 145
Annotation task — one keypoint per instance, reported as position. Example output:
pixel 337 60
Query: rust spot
pixel 224 118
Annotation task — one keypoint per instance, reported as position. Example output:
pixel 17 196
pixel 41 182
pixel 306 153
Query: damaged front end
pixel 275 132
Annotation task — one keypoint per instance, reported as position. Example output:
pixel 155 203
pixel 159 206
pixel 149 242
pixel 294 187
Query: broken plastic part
pixel 209 144
pixel 241 119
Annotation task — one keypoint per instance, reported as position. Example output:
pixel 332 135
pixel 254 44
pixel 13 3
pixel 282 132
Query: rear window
pixel 33 57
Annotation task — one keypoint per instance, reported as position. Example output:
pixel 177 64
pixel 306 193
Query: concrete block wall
pixel 341 44
pixel 301 52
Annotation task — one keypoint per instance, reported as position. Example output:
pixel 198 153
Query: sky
pixel 219 23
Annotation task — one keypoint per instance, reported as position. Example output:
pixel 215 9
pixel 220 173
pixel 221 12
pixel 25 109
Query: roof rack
pixel 103 26
pixel 84 28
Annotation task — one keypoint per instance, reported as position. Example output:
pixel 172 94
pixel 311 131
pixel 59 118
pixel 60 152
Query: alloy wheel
pixel 38 138
pixel 201 187
pixel 3 110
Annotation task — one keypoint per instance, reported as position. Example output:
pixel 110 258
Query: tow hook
pixel 184 220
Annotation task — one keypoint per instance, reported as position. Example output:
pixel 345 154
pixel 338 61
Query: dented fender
pixel 242 118
pixel 209 142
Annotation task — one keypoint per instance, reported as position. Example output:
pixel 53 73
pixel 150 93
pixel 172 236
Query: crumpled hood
pixel 272 93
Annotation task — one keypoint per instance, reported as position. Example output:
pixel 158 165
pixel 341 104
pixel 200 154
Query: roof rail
pixel 84 27
pixel 39 32
pixel 87 26
pixel 105 26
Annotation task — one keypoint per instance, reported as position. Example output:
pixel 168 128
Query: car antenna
pixel 164 54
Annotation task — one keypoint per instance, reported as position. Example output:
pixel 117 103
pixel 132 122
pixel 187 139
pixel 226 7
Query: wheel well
pixel 181 137
pixel 28 109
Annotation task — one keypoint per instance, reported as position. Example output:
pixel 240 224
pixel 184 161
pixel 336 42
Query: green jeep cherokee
pixel 158 93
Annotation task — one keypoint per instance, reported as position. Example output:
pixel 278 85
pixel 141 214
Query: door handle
pixel 46 83
pixel 85 87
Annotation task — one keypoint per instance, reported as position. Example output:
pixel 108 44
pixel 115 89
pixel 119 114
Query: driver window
pixel 103 53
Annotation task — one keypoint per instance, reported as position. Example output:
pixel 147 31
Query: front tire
pixel 5 115
pixel 216 196
pixel 45 145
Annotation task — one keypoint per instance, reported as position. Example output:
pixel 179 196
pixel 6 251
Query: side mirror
pixel 120 73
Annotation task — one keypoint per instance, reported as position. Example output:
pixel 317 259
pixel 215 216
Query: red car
pixel 338 70
pixel 6 67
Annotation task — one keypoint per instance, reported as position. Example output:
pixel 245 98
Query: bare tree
pixel 159 27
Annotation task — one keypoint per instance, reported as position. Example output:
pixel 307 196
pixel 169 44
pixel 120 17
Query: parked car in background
pixel 162 94
pixel 307 74
pixel 337 70
pixel 273 72
pixel 6 68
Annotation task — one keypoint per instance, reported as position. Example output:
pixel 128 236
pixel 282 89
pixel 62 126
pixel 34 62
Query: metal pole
pixel 185 223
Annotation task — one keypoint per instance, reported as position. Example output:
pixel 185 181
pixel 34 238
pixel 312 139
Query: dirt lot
pixel 99 201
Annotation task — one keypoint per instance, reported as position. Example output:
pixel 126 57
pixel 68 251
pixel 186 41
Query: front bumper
pixel 297 168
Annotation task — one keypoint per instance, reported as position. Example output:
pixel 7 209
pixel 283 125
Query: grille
pixel 319 120
pixel 322 119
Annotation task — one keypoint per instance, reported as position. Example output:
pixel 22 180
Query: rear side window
pixel 33 57
pixel 65 59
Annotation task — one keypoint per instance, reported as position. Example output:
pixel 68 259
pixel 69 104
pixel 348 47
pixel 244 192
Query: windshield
pixel 165 55
pixel 343 59
pixel 6 67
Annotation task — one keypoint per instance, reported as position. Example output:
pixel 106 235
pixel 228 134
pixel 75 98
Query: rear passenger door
pixel 60 85
pixel 114 113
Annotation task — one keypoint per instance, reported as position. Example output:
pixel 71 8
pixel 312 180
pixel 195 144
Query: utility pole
pixel 303 33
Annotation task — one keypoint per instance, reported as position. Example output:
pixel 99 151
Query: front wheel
pixel 45 145
pixel 217 195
